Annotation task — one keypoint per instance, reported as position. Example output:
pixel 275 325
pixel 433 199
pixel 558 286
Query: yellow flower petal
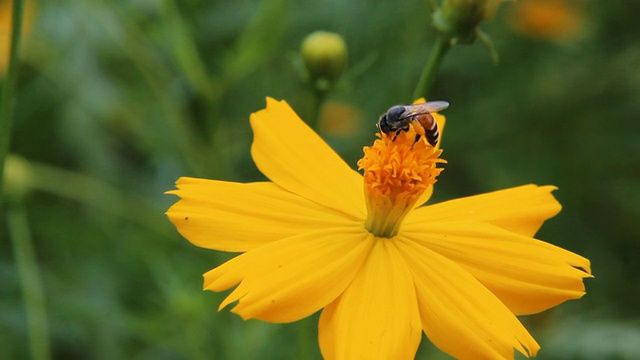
pixel 237 217
pixel 377 316
pixel 521 209
pixel 292 278
pixel 528 275
pixel 459 315
pixel 294 157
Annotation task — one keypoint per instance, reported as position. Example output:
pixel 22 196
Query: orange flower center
pixel 396 173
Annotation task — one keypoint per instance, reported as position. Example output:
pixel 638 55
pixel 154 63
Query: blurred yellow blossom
pixel 548 19
pixel 5 29
pixel 339 119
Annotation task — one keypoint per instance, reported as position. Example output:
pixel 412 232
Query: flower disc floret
pixel 397 171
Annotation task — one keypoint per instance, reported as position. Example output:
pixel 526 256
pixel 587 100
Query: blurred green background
pixel 117 99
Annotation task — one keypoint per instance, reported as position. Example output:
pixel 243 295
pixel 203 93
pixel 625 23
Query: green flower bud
pixel 458 20
pixel 18 177
pixel 324 55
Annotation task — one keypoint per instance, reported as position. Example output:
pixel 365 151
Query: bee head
pixel 388 121
pixel 394 113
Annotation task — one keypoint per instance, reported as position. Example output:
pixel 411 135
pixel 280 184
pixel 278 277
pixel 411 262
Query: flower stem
pixel 319 97
pixel 304 332
pixel 30 281
pixel 87 190
pixel 440 49
pixel 6 96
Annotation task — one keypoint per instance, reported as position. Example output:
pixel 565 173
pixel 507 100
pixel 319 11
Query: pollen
pixel 397 172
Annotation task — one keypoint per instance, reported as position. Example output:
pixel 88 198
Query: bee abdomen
pixel 432 136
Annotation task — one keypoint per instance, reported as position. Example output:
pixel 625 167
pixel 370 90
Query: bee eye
pixel 394 113
pixel 384 126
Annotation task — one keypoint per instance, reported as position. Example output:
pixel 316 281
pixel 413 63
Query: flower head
pixel 325 55
pixel 458 20
pixel 6 19
pixel 398 170
pixel 548 19
pixel 382 268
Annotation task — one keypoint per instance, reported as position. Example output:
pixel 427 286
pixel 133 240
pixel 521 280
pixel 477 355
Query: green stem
pixel 184 137
pixel 6 96
pixel 185 50
pixel 319 97
pixel 304 332
pixel 428 76
pixel 30 281
pixel 88 191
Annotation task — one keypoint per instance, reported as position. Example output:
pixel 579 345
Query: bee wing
pixel 431 106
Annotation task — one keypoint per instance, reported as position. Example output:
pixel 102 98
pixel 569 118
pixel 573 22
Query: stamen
pixel 397 171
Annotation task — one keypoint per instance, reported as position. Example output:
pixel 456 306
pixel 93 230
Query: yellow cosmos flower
pixel 382 268
pixel 548 19
pixel 6 14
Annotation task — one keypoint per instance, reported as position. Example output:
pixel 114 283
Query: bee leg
pixel 415 140
pixel 397 133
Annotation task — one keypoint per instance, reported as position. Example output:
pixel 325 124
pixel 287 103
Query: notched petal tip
pixel 456 308
pixel 183 180
pixel 522 209
pixel 236 295
pixel 292 278
pixel 214 214
pixel 586 269
pixel 526 274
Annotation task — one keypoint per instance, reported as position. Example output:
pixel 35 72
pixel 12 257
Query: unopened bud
pixel 325 55
pixel 459 19
pixel 17 176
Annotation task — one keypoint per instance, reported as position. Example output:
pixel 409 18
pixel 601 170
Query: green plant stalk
pixel 26 263
pixel 186 52
pixel 428 76
pixel 319 98
pixel 6 96
pixel 304 336
pixel 196 153
pixel 30 281
pixel 89 191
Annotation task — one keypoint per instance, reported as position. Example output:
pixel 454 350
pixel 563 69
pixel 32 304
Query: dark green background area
pixel 117 99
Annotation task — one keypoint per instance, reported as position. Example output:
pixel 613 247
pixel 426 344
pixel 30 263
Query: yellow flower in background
pixel 339 119
pixel 6 15
pixel 382 268
pixel 547 19
pixel 5 34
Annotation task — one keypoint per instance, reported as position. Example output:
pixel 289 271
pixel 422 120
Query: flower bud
pixel 18 177
pixel 324 55
pixel 458 19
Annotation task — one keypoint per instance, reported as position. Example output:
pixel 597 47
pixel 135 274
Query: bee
pixel 398 118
